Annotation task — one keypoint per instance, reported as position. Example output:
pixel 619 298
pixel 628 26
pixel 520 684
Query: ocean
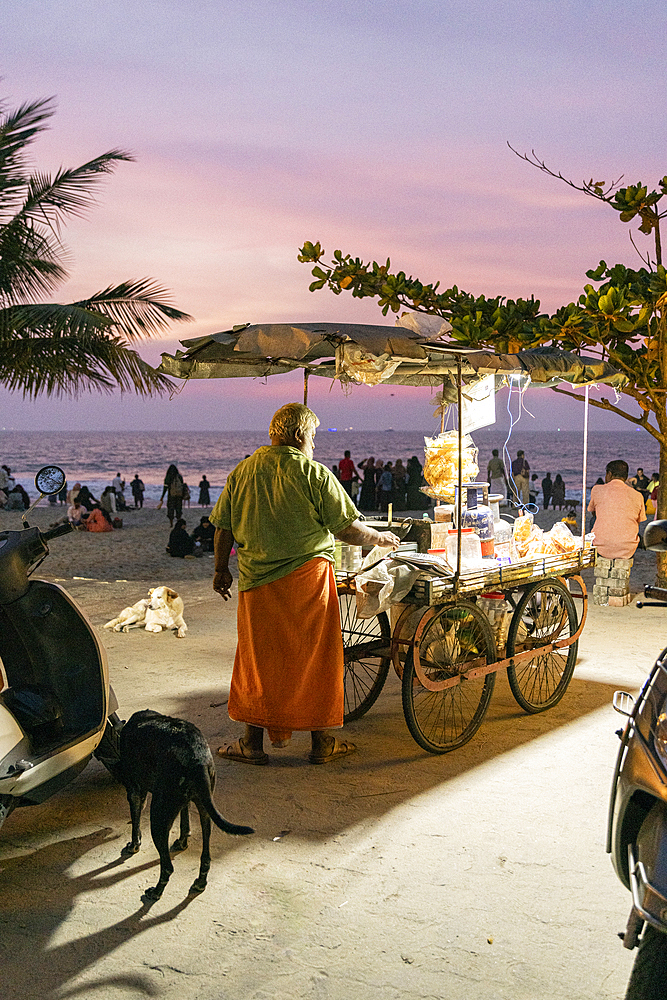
pixel 94 457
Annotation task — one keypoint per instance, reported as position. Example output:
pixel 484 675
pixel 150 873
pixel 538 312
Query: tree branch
pixel 604 404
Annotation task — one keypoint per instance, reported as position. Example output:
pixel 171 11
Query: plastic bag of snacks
pixel 562 538
pixel 441 464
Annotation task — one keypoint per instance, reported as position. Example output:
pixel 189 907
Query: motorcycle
pixel 637 827
pixel 56 706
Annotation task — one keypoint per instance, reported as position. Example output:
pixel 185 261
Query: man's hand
pixel 222 583
pixel 388 538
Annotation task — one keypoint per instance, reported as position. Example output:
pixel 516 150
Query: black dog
pixel 171 759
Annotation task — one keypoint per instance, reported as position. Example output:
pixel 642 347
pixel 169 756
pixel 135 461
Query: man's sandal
pixel 338 748
pixel 239 751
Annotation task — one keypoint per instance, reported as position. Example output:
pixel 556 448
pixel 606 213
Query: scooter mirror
pixel 50 480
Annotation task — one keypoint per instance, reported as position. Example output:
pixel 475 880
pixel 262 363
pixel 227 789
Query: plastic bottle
pixel 480 519
pixel 471 550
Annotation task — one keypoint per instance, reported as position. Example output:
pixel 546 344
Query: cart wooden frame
pixel 443 648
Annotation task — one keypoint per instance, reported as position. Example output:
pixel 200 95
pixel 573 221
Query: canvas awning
pixel 358 353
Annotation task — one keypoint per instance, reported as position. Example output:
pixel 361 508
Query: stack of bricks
pixel 612 582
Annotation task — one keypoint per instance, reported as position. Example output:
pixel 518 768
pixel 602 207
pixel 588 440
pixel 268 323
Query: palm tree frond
pixel 138 308
pixel 31 263
pixel 49 199
pixel 17 131
pixel 63 366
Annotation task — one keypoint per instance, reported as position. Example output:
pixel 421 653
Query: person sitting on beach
pixel 108 500
pixel 98 520
pixel 180 544
pixel 73 493
pixel 76 514
pixel 86 498
pixel 619 511
pixel 17 499
pixel 640 483
pixel 204 533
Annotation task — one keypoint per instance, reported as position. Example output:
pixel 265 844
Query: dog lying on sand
pixel 171 759
pixel 162 609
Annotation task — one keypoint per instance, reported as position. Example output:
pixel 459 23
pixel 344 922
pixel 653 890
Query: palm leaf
pixel 31 263
pixel 49 199
pixel 59 366
pixel 17 131
pixel 138 308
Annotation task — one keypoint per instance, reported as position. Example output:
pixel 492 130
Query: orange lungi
pixel 288 670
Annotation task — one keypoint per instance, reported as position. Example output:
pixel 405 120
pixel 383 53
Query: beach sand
pixel 391 873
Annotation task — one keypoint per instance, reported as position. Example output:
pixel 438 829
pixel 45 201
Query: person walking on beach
pixel 204 492
pixel 495 473
pixel 547 490
pixel 619 510
pixel 520 475
pixel 284 510
pixel 174 487
pixel 137 487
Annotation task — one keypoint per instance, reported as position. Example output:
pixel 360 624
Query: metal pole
pixel 442 411
pixel 306 373
pixel 583 485
pixel 459 500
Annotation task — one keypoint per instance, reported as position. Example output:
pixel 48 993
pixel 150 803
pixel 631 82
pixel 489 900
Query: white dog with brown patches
pixel 162 609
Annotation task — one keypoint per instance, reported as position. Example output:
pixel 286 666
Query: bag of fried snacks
pixel 562 539
pixel 441 464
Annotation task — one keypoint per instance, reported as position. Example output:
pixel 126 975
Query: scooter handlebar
pixel 60 529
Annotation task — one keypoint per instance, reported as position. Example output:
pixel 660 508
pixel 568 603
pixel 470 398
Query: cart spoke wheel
pixel 439 717
pixel 544 614
pixel 366 643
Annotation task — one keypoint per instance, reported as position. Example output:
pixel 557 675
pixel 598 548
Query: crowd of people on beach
pixel 373 484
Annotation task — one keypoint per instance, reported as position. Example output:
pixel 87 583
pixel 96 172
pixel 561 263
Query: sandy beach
pixel 389 874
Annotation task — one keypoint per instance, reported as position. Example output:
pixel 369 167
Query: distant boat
pixel 389 430
pixel 332 428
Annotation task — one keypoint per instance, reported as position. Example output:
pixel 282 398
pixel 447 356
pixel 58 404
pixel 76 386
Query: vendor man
pixel 283 510
pixel 619 510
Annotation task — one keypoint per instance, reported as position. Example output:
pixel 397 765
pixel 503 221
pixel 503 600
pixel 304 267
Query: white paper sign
pixel 478 404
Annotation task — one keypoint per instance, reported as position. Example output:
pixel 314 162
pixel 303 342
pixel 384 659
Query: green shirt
pixel 283 509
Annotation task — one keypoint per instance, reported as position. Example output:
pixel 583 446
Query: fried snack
pixel 562 539
pixel 441 464
pixel 521 534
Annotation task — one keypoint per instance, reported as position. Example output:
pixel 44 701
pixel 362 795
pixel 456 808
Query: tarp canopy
pixel 414 352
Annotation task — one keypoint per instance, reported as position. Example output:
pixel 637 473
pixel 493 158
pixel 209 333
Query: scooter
pixel 56 706
pixel 637 827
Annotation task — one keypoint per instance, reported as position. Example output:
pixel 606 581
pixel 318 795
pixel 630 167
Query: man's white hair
pixel 290 419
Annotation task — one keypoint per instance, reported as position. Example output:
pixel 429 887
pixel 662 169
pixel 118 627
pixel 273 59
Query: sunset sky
pixel 376 127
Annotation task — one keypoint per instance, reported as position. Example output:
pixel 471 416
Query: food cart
pixel 438 640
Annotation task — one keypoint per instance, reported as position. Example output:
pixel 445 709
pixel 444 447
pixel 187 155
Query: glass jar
pixel 497 610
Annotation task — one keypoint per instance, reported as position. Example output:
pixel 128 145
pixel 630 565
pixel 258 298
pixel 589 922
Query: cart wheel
pixel 546 612
pixel 442 711
pixel 366 643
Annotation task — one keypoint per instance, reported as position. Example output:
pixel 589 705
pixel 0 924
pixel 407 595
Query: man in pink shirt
pixel 619 510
